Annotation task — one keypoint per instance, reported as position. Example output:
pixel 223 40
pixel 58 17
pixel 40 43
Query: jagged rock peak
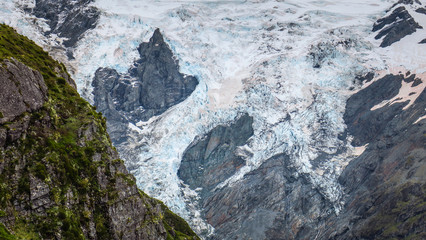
pixel 151 86
pixel 395 26
pixel 157 37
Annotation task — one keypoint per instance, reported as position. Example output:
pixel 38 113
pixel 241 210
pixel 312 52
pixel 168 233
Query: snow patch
pixel 420 119
pixel 406 93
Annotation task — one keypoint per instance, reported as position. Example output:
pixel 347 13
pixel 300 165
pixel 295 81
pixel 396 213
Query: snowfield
pixel 289 64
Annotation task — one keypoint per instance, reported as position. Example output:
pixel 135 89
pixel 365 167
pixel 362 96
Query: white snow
pixel 420 119
pixel 406 93
pixel 407 52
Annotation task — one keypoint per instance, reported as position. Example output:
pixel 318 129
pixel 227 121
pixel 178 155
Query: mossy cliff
pixel 60 177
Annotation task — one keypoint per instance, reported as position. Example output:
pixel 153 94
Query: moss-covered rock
pixel 60 177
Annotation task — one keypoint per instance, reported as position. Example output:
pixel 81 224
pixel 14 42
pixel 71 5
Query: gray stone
pixel 364 124
pixel 151 86
pixel 68 19
pixel 388 173
pixel 21 90
pixel 398 25
pixel 270 202
pixel 213 158
pixel 421 10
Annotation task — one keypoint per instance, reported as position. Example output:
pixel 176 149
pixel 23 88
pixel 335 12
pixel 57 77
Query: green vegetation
pixel 176 223
pixel 5 234
pixel 57 153
pixel 55 145
pixel 177 228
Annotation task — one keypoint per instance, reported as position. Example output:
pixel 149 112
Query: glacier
pixel 289 64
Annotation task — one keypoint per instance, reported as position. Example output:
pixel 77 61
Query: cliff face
pixel 384 187
pixel 67 19
pixel 60 177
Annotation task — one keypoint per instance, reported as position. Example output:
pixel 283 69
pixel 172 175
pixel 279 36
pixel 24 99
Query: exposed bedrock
pixel 151 86
pixel 385 186
pixel 395 26
pixel 271 202
pixel 21 90
pixel 68 19
pixel 215 157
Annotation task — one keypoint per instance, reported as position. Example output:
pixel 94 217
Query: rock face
pixel 385 186
pixel 60 176
pixel 68 19
pixel 216 157
pixel 21 90
pixel 421 10
pixel 151 86
pixel 395 26
pixel 370 123
pixel 271 202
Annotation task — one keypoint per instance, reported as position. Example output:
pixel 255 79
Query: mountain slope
pixel 60 176
pixel 332 98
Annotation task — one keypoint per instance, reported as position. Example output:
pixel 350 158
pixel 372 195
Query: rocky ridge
pixel 397 25
pixel 152 85
pixel 217 156
pixel 60 176
pixel 67 19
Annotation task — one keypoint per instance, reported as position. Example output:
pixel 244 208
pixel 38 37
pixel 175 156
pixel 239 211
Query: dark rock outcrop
pixel 271 202
pixel 60 175
pixel 21 90
pixel 385 186
pixel 421 10
pixel 152 85
pixel 162 85
pixel 406 2
pixel 214 158
pixel 68 19
pixel 423 41
pixel 364 124
pixel 395 26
